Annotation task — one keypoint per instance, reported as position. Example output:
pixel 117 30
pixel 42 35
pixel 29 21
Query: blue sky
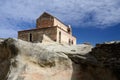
pixel 92 21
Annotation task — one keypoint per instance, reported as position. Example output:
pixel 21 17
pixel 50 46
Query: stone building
pixel 50 26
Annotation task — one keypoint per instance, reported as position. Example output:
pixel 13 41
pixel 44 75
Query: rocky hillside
pixel 108 55
pixel 20 60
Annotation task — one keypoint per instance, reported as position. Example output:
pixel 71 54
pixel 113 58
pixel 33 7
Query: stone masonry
pixel 50 26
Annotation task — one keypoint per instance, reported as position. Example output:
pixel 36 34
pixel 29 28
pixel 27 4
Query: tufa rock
pixel 21 60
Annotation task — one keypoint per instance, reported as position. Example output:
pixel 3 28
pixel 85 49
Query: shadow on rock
pixel 7 51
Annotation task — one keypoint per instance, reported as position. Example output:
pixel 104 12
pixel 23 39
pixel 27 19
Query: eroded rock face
pixel 7 51
pixel 108 56
pixel 20 60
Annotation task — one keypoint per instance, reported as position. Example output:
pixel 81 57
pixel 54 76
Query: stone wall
pixel 60 24
pixel 49 21
pixel 45 21
pixel 51 32
pixel 51 27
pixel 37 34
pixel 65 37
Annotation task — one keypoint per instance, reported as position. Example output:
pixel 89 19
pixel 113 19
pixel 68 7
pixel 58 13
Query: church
pixel 50 26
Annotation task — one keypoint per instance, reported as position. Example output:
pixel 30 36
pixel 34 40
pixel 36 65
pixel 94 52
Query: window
pixel 72 41
pixel 68 30
pixel 69 42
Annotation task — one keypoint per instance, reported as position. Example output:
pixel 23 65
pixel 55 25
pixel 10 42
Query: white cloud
pixel 103 12
pixel 96 13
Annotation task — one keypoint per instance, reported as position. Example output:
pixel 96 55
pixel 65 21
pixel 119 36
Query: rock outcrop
pixel 108 56
pixel 20 60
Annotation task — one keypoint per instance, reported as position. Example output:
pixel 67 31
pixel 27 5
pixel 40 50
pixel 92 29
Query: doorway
pixel 60 37
pixel 30 37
